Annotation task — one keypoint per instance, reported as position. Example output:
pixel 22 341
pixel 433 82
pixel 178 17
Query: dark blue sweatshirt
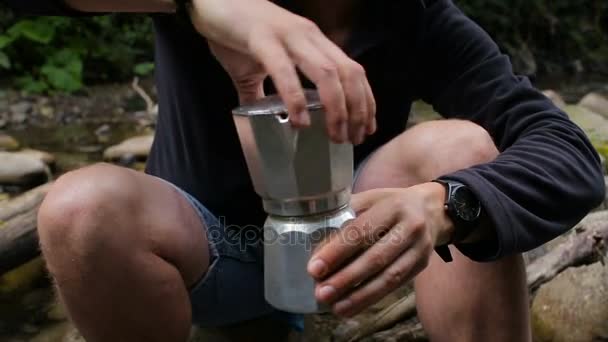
pixel 545 180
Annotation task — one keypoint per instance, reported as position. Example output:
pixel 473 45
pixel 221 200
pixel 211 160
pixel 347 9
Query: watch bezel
pixel 462 227
pixel 458 211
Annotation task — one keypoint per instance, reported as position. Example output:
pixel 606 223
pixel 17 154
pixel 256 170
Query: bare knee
pixel 85 207
pixel 439 147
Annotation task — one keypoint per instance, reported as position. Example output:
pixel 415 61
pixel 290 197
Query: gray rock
pixel 22 107
pixel 573 306
pixel 20 169
pixel 73 335
pixel 43 156
pixel 555 97
pixel 137 146
pixel 8 143
pixel 18 118
pixel 103 133
pixel 594 125
pixel 47 111
pixel 595 103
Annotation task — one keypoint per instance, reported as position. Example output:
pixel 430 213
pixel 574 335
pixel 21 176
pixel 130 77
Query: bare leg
pixel 122 247
pixel 462 300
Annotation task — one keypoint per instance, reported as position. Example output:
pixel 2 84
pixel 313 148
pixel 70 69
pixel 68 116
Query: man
pixel 139 257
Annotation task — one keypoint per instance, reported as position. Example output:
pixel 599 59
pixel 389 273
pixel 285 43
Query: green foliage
pixel 559 34
pixel 44 54
pixel 47 54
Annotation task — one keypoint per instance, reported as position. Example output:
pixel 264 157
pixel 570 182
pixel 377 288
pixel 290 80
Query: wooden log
pixel 18 235
pixel 23 203
pixel 400 310
pixel 586 244
pixel 411 331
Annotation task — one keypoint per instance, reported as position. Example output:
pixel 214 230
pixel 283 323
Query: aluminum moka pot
pixel 304 180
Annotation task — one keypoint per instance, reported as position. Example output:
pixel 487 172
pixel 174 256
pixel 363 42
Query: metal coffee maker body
pixel 304 181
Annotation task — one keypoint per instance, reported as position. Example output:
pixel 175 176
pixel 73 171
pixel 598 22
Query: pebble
pixel 22 107
pixel 47 111
pixel 555 97
pixel 137 146
pixel 19 118
pixel 103 133
pixel 20 169
pixel 43 156
pixel 8 143
pixel 595 103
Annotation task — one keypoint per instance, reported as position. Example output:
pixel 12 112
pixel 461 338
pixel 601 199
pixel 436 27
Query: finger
pixel 353 79
pixel 407 266
pixel 281 69
pixel 354 237
pixel 371 102
pixel 374 260
pixel 323 72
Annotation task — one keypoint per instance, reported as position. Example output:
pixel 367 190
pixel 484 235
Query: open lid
pixel 273 105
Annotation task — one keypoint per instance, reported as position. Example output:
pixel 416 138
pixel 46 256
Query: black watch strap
pixel 444 253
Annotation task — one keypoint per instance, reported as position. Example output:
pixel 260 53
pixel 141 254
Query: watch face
pixel 466 204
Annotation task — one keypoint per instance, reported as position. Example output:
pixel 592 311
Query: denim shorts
pixel 232 289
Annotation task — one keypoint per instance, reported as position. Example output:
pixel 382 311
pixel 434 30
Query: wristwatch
pixel 464 210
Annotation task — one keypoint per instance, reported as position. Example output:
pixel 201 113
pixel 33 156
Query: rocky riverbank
pixel 43 137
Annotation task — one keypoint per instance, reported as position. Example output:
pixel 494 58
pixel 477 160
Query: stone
pixel 22 107
pixel 555 97
pixel 20 169
pixel 22 278
pixel 573 306
pixel 56 311
pixel 8 143
pixel 137 146
pixel 19 118
pixel 103 133
pixel 47 111
pixel 421 112
pixel 43 156
pixel 595 103
pixel 594 125
pixel 73 335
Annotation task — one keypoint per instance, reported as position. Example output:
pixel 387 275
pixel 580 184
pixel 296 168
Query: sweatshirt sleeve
pixel 43 8
pixel 547 176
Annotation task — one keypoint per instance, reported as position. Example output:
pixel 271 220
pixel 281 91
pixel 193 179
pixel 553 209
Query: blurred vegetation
pixel 41 54
pixel 547 36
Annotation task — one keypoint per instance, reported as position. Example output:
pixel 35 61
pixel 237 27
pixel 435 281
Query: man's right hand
pixel 253 39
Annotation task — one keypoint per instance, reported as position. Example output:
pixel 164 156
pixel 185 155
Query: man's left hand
pixel 387 244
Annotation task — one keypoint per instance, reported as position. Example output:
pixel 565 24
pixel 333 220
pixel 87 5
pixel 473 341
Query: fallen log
pixel 18 236
pixel 586 244
pixel 23 203
pixel 411 331
pixel 398 311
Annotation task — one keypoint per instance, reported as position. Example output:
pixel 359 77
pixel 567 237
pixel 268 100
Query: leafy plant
pixel 46 54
